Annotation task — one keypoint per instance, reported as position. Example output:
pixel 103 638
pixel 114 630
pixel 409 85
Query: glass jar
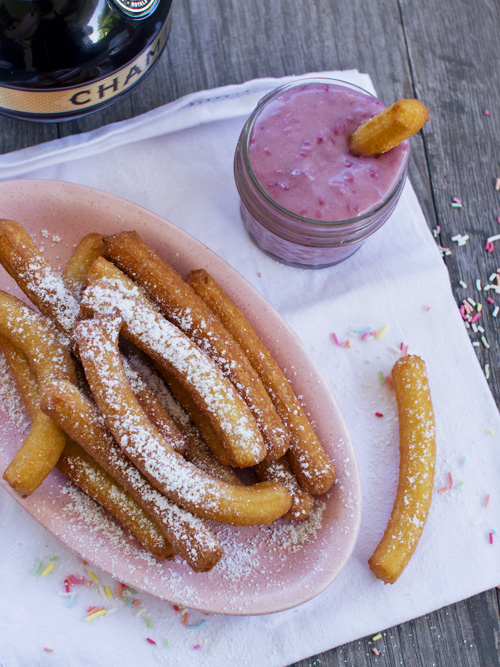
pixel 305 200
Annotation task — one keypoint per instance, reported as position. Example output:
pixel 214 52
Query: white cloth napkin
pixel 177 162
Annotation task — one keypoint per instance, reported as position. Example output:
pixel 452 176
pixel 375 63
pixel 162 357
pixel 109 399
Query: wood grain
pixel 446 54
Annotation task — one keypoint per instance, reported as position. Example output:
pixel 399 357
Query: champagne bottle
pixel 61 59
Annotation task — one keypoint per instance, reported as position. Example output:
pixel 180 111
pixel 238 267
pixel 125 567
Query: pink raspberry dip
pixel 298 151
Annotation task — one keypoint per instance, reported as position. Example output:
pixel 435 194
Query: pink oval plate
pixel 264 569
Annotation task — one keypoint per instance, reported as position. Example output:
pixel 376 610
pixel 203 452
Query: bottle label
pixel 80 98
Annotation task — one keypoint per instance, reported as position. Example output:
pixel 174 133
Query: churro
pixel 279 471
pixel 35 336
pixel 84 472
pixel 389 128
pixel 110 291
pixel 89 249
pixel 168 471
pixel 37 278
pixel 307 457
pixel 80 468
pixel 417 446
pixel 80 419
pixel 182 306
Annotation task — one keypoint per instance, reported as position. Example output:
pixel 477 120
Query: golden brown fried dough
pixel 388 129
pixel 307 457
pixel 89 249
pixel 178 479
pixel 82 470
pixel 279 471
pixel 79 417
pixel 37 277
pixel 182 306
pixel 110 291
pixel 34 335
pixel 417 447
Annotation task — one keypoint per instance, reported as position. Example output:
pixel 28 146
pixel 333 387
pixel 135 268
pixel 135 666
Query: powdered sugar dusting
pixel 11 404
pixel 175 349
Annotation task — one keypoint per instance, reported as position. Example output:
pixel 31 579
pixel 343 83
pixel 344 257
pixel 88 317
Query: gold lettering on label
pixel 70 99
pixel 75 99
pixel 134 71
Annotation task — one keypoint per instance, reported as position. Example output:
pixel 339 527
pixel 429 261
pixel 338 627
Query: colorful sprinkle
pixel 379 414
pixel 489 246
pixel 150 641
pixel 443 489
pixel 485 343
pixel 497 184
pixel 487 371
pixel 376 637
pixel 462 284
pixel 375 651
pixel 49 650
pixel 491 538
pixel 38 567
pixel 93 577
pixel 197 647
pixel 48 569
pixel 459 485
pixel 149 622
pixel 382 331
pixel 388 382
pixel 381 377
pixel 109 594
pixel 185 618
pixel 95 615
pixel 496 237
pixel 197 625
pixel 486 112
pixel 71 601
pixel 487 500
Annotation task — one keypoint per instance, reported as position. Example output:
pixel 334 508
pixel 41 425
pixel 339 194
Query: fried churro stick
pixel 101 487
pixel 169 472
pixel 198 452
pixel 82 470
pixel 37 278
pixel 389 128
pixel 80 419
pixel 34 335
pixel 110 291
pixel 307 457
pixel 179 303
pixel 198 417
pixel 89 249
pixel 279 471
pixel 417 447
pixel 51 293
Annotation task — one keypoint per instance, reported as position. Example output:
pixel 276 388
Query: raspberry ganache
pixel 298 151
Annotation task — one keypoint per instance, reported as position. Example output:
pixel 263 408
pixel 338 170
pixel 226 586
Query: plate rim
pixel 209 257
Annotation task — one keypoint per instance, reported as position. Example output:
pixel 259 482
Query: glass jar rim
pixel 319 224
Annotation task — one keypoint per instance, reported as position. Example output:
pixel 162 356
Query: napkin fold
pixel 177 161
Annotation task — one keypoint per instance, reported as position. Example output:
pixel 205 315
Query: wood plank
pixel 460 635
pixel 454 62
pixel 17 134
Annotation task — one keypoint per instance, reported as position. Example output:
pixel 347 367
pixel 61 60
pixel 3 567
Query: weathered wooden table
pixel 444 53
